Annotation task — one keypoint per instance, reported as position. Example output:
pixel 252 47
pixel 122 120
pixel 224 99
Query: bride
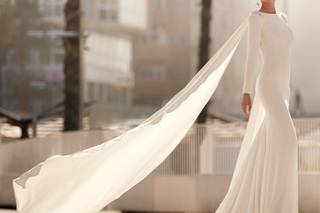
pixel 265 179
pixel 266 175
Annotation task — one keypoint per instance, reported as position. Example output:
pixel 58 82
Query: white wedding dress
pixel 265 177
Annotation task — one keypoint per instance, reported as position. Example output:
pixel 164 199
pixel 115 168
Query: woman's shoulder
pixel 255 13
pixel 255 16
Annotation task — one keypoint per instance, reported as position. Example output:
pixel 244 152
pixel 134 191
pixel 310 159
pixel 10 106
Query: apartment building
pixel 162 54
pixel 108 54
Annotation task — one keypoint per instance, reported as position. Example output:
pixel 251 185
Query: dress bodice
pixel 271 34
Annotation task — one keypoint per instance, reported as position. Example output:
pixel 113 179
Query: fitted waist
pixel 277 64
pixel 276 67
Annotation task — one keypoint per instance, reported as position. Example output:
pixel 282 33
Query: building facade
pixel 107 58
pixel 135 52
pixel 162 54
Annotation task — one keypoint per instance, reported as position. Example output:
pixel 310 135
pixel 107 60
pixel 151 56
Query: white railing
pixel 213 149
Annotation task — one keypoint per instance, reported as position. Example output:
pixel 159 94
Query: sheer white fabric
pixel 88 180
pixel 265 179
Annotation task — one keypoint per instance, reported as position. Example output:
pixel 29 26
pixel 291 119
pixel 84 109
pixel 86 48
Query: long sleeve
pixel 253 46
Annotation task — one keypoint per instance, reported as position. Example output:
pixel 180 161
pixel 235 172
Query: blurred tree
pixel 6 22
pixel 203 57
pixel 204 46
pixel 72 67
pixel 16 19
pixel 6 37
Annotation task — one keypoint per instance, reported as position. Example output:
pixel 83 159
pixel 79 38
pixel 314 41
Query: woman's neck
pixel 268 7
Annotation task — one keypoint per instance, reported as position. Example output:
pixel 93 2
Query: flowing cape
pixel 88 180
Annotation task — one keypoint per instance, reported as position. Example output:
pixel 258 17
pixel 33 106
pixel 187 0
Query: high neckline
pixel 268 13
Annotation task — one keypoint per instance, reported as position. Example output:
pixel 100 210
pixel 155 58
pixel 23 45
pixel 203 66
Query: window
pixel 58 10
pixel 108 10
pixel 156 36
pixel 58 56
pixel 33 57
pixel 52 8
pixel 160 4
pixel 45 56
pixel 91 93
pixel 11 57
pixel 153 73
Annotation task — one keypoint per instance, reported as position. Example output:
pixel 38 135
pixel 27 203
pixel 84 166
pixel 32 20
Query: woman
pixel 265 179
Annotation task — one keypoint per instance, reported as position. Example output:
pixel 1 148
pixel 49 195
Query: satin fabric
pixel 265 179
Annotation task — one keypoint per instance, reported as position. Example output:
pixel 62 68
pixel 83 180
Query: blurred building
pixel 31 71
pixel 52 11
pixel 108 53
pixel 135 58
pixel 134 53
pixel 162 53
pixel 145 42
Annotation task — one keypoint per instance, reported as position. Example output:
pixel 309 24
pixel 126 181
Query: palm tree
pixel 72 68
pixel 204 46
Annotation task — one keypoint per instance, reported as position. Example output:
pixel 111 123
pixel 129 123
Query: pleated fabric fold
pixel 86 181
